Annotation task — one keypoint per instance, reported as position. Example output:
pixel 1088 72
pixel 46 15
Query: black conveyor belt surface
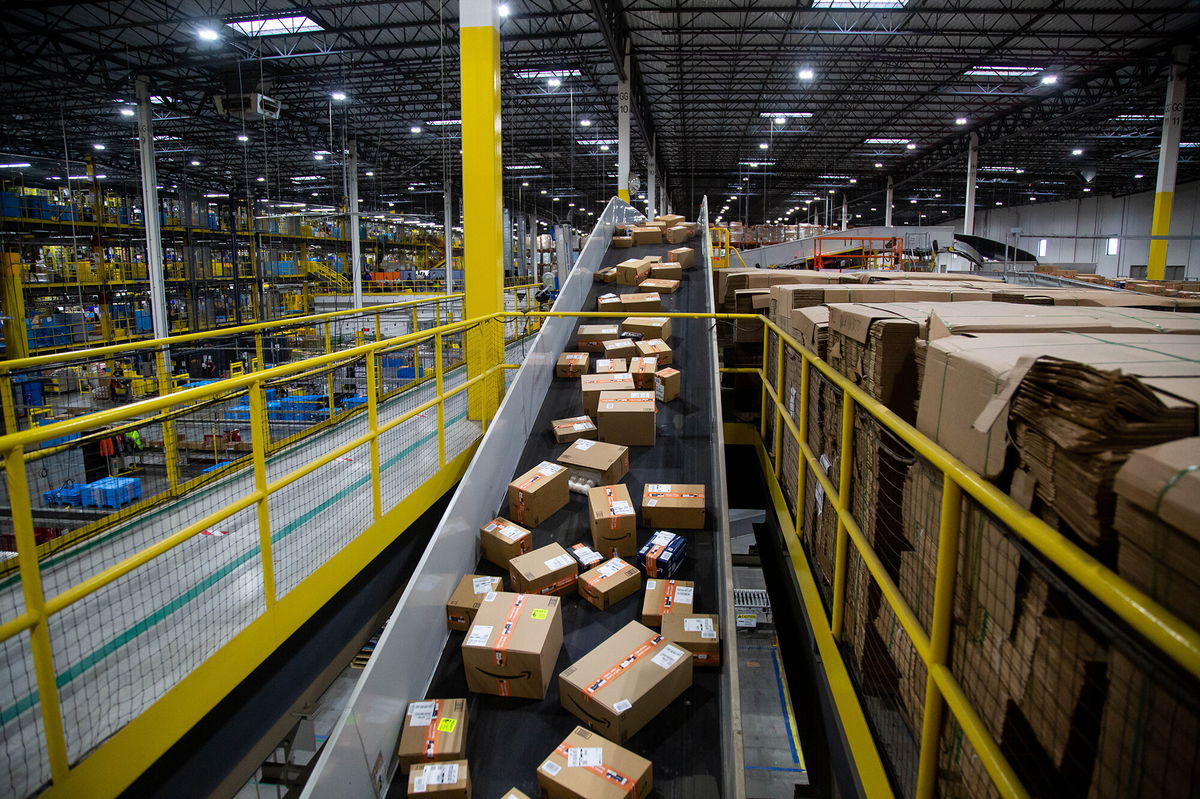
pixel 510 737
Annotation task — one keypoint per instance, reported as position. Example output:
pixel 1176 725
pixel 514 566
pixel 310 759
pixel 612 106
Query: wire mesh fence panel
pixel 408 455
pixel 23 755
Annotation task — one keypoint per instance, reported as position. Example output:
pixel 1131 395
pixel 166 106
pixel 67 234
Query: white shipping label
pixel 551 768
pixel 602 363
pixel 653 584
pixel 662 538
pixel 608 406
pixel 511 532
pixel 651 503
pixel 622 705
pixel 418 785
pixel 584 756
pixel 440 773
pixel 491 597
pixel 584 445
pixel 421 713
pixel 792 400
pixel 484 585
pixel 659 488
pixel 549 470
pixel 560 562
pixel 660 390
pixel 683 595
pixel 622 508
pixel 819 490
pixel 479 635
pixel 585 426
pixel 668 656
pixel 697 625
pixel 711 634
pixel 641 395
pixel 612 567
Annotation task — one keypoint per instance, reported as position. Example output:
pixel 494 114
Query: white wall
pixel 1100 216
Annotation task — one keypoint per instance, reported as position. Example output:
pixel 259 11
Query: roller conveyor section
pixel 510 737
pixel 132 641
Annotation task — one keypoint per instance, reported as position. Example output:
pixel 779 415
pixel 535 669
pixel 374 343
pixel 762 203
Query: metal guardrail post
pixel 373 425
pixel 843 505
pixel 762 409
pixel 778 407
pixel 170 439
pixel 329 377
pixel 259 423
pixel 939 633
pixel 258 349
pixel 9 401
pixel 35 605
pixel 802 471
pixel 441 406
pixel 378 327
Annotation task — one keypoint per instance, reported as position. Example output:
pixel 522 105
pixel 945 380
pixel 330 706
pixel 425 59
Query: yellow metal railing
pixel 114 763
pixel 722 248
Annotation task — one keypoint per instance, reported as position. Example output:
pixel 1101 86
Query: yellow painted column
pixel 483 197
pixel 16 343
pixel 1168 156
pixel 624 101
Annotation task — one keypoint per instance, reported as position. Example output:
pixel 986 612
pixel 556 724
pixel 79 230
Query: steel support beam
pixel 352 223
pixel 972 168
pixel 1168 159
pixel 154 252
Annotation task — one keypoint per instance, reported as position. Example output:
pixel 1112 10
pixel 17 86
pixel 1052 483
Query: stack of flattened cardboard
pixel 1158 525
pixel 1076 423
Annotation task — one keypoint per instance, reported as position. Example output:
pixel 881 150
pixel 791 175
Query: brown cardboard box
pixel 546 570
pixel 660 285
pixel 677 235
pixel 659 349
pixel 585 556
pixel 646 302
pixel 601 770
pixel 571 364
pixel 464 601
pixel 1003 317
pixel 538 494
pixel 573 429
pixel 501 541
pixel 810 326
pixel 667 383
pixel 434 730
pixel 676 506
pixel 651 327
pixel 609 583
pixel 611 366
pixel 596 462
pixel 653 259
pixel 622 242
pixel 684 256
pixel 608 275
pixel 513 793
pixel 449 780
pixel 512 647
pixel 619 348
pixel 627 417
pixel 642 369
pixel 656 223
pixel 592 385
pixel 671 220
pixel 609 302
pixel 698 633
pixel 632 271
pixel 647 235
pixel 618 687
pixel 612 519
pixel 666 596
pixel 591 338
pixel 668 271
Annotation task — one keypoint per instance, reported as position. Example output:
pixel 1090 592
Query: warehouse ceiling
pixel 762 106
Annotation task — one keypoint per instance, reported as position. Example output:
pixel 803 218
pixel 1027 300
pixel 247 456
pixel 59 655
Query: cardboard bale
pixel 647 235
pixel 591 386
pixel 667 383
pixel 609 302
pixel 571 364
pixel 676 506
pixel 449 780
pixel 810 326
pixel 501 541
pixel 591 338
pixel 627 417
pixel 609 583
pixel 611 366
pixel 644 302
pixel 748 330
pixel 662 555
pixel 612 519
pixel 512 647
pixel 975 318
pixel 666 596
pixel 435 730
pixel 660 285
pixel 622 242
pixel 659 349
pixel 538 494
pixel 643 370
pixel 908 664
pixel 548 570
pixel 648 327
pixel 677 235
pixel 622 348
pixel 573 429
pixel 632 271
pixel 594 463
pixel 464 600
pixel 698 633
pixel 667 271
pixel 585 556
pixel 618 687
pixel 684 256
pixel 587 765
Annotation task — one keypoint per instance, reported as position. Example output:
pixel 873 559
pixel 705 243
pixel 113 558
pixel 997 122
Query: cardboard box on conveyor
pixel 699 633
pixel 538 494
pixel 449 780
pixel 673 506
pixel 577 427
pixel 627 417
pixel 588 765
pixel 548 570
pixel 593 463
pixel 666 596
pixel 501 541
pixel 612 518
pixel 464 600
pixel 512 647
pixel 609 583
pixel 591 386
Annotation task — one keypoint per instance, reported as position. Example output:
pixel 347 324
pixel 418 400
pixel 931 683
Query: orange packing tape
pixel 609 773
pixel 675 494
pixel 668 598
pixel 652 560
pixel 558 585
pixel 431 732
pixel 617 670
pixel 510 624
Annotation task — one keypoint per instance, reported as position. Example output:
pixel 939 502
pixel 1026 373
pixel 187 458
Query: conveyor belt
pixel 509 737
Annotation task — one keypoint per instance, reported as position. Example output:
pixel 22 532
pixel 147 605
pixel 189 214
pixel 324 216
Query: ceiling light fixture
pixel 415 129
pixel 208 34
pixel 503 10
pixel 1049 80
pixel 243 137
pixel 1077 151
pixel 762 145
pixel 338 95
pixel 805 73
pixel 960 121
pixel 554 83
pixel 126 111
pixel 585 123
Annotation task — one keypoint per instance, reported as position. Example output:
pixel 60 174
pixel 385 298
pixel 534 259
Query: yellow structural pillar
pixel 483 198
pixel 624 100
pixel 16 343
pixel 1168 156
